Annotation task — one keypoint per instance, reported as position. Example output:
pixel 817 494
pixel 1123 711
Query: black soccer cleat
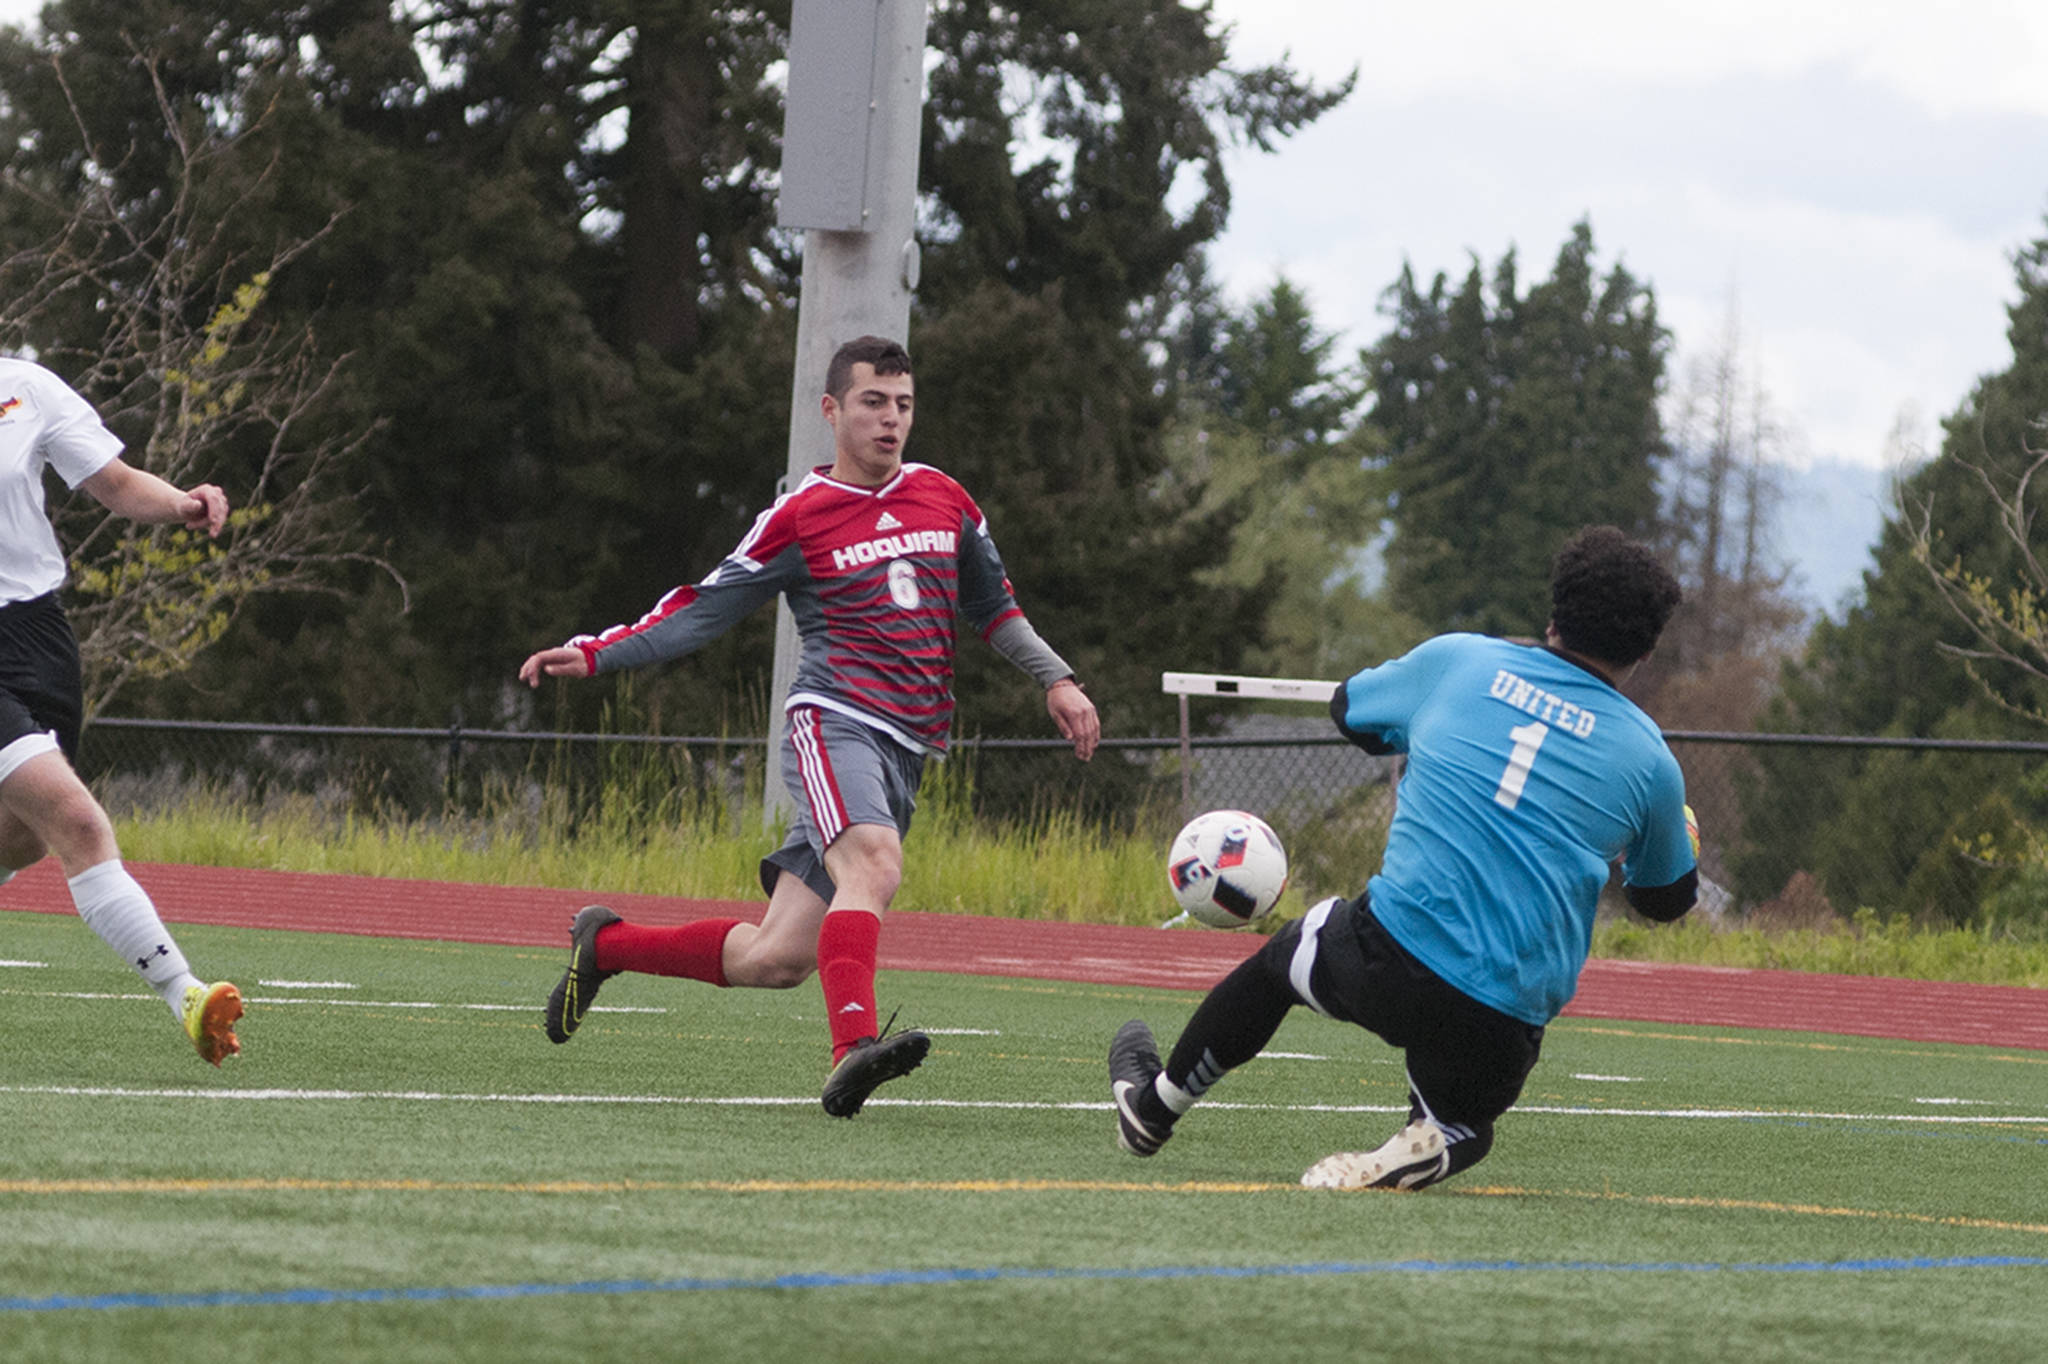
pixel 869 1064
pixel 1133 1066
pixel 573 993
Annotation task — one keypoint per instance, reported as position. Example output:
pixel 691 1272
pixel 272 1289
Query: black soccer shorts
pixel 41 688
pixel 1466 1061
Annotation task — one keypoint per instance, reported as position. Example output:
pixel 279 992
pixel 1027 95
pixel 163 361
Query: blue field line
pixel 911 1278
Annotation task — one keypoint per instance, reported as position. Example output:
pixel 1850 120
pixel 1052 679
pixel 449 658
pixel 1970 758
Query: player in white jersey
pixel 44 807
pixel 878 559
pixel 1528 774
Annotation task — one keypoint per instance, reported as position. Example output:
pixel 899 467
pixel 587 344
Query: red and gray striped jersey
pixel 875 578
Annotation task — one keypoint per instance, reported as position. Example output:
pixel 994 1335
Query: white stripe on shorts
pixel 826 811
pixel 1304 959
pixel 22 749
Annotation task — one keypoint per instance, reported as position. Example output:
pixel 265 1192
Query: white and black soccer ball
pixel 1227 868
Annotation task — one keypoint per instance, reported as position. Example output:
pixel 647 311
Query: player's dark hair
pixel 1609 597
pixel 888 357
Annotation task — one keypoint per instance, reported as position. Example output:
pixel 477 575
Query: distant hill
pixel 1827 525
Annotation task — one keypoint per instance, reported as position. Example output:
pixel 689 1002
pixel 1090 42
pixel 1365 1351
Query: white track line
pixel 345 1003
pixel 781 1101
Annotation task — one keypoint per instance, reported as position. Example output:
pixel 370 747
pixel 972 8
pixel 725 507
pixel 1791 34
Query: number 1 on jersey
pixel 1528 738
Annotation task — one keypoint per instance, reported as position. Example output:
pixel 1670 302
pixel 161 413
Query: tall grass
pixel 688 856
pixel 635 838
pixel 1865 945
pixel 1052 864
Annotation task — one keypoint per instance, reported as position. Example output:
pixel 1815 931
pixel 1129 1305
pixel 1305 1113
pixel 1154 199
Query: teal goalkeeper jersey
pixel 1527 775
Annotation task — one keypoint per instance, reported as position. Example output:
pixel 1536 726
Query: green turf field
pixel 400 1167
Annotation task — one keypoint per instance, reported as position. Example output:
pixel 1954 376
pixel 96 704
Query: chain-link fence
pixel 332 773
pixel 1796 828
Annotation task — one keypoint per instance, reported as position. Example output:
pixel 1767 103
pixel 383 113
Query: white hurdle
pixel 1185 685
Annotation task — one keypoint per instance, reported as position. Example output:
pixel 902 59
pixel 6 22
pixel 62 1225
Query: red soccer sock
pixel 695 950
pixel 846 971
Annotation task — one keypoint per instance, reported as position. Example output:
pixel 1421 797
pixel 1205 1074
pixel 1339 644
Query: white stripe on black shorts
pixel 1466 1059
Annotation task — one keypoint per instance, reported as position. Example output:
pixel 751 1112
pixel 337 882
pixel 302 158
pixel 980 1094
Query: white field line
pixel 519 1008
pixel 342 1003
pixel 772 1101
pixel 1022 1105
pixel 430 1004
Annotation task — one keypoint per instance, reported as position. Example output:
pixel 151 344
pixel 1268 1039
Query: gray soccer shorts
pixel 846 773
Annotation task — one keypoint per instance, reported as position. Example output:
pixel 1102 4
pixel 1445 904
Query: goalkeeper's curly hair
pixel 1609 597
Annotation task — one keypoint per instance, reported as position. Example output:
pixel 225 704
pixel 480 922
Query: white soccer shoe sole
pixel 1415 1155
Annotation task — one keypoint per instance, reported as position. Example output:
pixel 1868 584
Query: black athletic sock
pixel 1230 1026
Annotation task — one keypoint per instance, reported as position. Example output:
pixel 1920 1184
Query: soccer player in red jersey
pixel 877 559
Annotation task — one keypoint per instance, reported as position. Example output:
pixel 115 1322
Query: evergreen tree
pixel 1034 324
pixel 1891 832
pixel 1268 438
pixel 1124 104
pixel 1276 377
pixel 1512 419
pixel 569 316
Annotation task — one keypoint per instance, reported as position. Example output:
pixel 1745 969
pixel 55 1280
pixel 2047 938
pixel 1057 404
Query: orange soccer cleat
pixel 210 1014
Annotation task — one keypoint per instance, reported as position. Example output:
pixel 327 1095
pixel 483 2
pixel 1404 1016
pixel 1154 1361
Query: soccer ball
pixel 1226 868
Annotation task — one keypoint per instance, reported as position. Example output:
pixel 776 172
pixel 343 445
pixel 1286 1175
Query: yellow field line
pixel 767 1186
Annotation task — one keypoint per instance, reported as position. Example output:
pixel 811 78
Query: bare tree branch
pixel 183 363
pixel 2009 622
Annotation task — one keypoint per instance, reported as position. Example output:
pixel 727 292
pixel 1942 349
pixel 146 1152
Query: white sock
pixel 114 906
pixel 1172 1095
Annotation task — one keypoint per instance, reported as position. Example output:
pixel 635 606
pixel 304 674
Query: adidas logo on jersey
pixel 887 521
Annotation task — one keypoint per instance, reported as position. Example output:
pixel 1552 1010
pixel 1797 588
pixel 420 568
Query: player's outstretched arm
pixel 559 662
pixel 1075 715
pixel 139 495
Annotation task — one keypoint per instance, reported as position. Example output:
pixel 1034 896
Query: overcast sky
pixel 1850 179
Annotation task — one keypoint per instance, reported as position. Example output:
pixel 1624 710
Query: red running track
pixel 1863 1006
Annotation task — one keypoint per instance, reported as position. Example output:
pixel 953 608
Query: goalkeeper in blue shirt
pixel 1528 774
